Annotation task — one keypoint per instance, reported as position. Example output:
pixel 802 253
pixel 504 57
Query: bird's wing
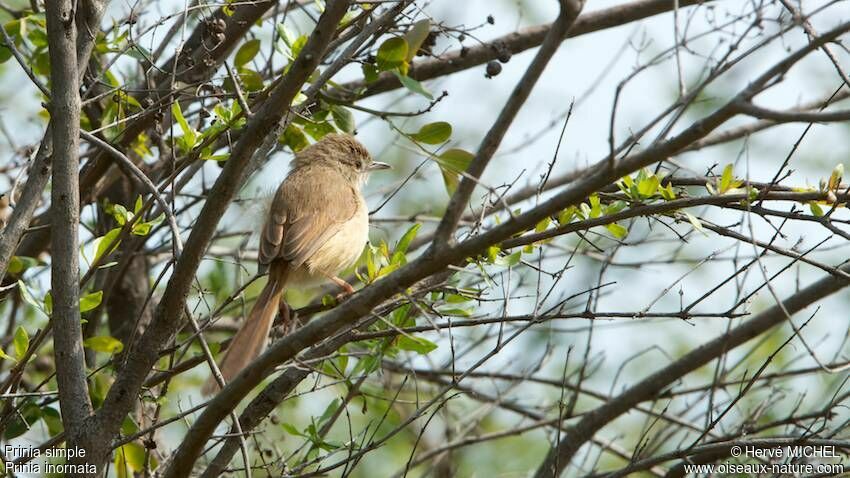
pixel 310 206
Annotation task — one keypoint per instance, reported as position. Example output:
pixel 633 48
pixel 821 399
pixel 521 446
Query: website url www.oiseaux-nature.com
pixel 762 469
pixel 780 453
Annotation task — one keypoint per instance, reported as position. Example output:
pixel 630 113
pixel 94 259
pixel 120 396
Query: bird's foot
pixel 347 289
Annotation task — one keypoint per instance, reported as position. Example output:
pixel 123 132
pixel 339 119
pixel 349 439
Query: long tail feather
pixel 251 338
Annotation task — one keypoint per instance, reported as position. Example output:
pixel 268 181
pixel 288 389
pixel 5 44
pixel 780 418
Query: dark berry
pixel 493 68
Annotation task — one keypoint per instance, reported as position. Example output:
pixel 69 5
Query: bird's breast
pixel 343 248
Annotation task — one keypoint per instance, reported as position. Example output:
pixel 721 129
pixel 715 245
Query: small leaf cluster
pixel 395 54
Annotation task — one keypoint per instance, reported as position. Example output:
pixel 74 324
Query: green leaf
pixel 190 136
pixel 22 421
pixel 27 296
pixel 433 133
pixel 415 344
pixel 104 245
pixel 648 186
pixel 249 79
pixel 392 53
pixel 413 85
pixel 246 52
pixel 5 356
pixel 142 229
pixel 667 192
pixel 318 130
pixel 129 459
pixel 343 118
pixel 295 138
pixel 48 303
pixel 615 207
pixel 453 162
pixel 509 260
pixel 120 213
pixel 566 215
pixel 298 45
pixel 457 311
pixel 129 426
pixel 695 222
pixel 90 301
pixel 726 179
pixel 407 238
pixel 21 342
pixel 292 430
pixel 617 230
pixel 595 206
pixel 53 420
pixel 817 211
pixel 543 224
pixel 105 344
pixel 5 54
pixel 835 177
pixel 370 73
pixel 416 36
pixel 18 264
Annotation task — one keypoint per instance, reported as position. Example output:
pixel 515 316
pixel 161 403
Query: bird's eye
pixel 359 164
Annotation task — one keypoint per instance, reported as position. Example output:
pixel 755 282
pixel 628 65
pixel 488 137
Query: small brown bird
pixel 5 210
pixel 318 225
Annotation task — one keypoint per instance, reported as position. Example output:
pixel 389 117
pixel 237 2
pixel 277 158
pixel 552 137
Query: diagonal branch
pixel 593 421
pixel 39 171
pixel 168 316
pixel 566 18
pixel 363 302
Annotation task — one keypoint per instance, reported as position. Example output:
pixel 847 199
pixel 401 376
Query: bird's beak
pixel 379 165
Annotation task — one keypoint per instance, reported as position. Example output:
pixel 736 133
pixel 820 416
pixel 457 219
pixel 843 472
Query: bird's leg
pixel 285 317
pixel 345 286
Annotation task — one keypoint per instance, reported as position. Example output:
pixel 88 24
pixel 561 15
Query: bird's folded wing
pixel 310 207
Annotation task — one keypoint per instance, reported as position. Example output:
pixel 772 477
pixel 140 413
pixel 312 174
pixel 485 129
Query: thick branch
pixel 515 42
pixel 168 317
pixel 362 303
pixel 65 271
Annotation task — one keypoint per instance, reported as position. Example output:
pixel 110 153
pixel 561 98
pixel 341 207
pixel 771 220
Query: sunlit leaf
pixel 391 53
pixel 453 162
pixel 407 238
pixel 21 342
pixel 835 177
pixel 433 133
pixel 5 356
pixel 190 136
pixel 104 245
pixel 129 459
pixel 105 344
pixel 617 230
pixel 90 301
pixel 648 186
pixel 726 179
pixel 18 264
